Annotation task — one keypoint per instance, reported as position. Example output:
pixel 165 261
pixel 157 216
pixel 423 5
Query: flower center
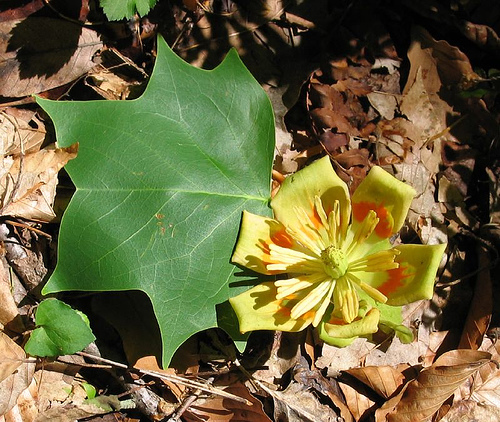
pixel 335 262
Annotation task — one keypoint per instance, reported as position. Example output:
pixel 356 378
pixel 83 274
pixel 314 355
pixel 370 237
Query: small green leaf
pixel 119 9
pixel 106 403
pixel 89 390
pixel 60 330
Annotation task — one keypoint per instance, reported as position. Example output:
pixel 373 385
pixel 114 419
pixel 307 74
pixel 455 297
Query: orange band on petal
pixel 337 321
pixel 284 311
pixel 308 315
pixel 282 238
pixel 265 248
pixel 395 280
pixel 315 219
pixel 385 226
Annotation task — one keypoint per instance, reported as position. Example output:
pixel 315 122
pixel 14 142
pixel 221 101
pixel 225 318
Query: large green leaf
pixel 161 184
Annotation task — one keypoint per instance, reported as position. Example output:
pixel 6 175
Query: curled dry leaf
pixel 28 184
pixel 482 35
pixel 357 401
pixel 434 385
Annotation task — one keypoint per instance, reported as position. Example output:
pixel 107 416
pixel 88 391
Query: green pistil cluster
pixel 335 262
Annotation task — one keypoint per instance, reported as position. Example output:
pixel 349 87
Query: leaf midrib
pixel 246 197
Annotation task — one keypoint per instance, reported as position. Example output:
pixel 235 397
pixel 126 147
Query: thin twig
pixel 26 226
pixel 76 21
pixel 172 378
pixel 27 100
pixel 188 402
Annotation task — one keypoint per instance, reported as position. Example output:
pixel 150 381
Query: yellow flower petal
pixel 300 190
pixel 258 309
pixel 256 235
pixel 387 196
pixel 414 278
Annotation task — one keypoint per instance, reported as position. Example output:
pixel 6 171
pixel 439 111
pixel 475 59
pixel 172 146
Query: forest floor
pixel 409 86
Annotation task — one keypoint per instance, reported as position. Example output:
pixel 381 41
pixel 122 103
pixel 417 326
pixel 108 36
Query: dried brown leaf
pixel 484 386
pixel 357 402
pixel 469 411
pixel 11 356
pixel 23 11
pixel 384 380
pixel 315 380
pixel 8 307
pixel 325 118
pixel 150 363
pixel 218 408
pixel 337 359
pixel 286 160
pixel 26 409
pixel 441 62
pixel 389 406
pixel 38 54
pixel 482 35
pixel 18 128
pixel 385 104
pixel 29 186
pixel 434 385
pixel 12 386
pixel 298 404
pixel 487 389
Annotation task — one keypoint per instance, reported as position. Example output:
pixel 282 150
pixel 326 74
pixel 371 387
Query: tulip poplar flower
pixel 335 267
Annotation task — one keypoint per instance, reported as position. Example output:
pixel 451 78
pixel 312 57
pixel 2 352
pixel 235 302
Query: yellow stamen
pixel 318 205
pixel 379 261
pixel 308 228
pixel 369 290
pixel 324 229
pixel 305 267
pixel 305 240
pixel 334 232
pixel 287 291
pixel 292 285
pixel 289 256
pixel 311 300
pixel 365 229
pixel 346 299
pixel 322 308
